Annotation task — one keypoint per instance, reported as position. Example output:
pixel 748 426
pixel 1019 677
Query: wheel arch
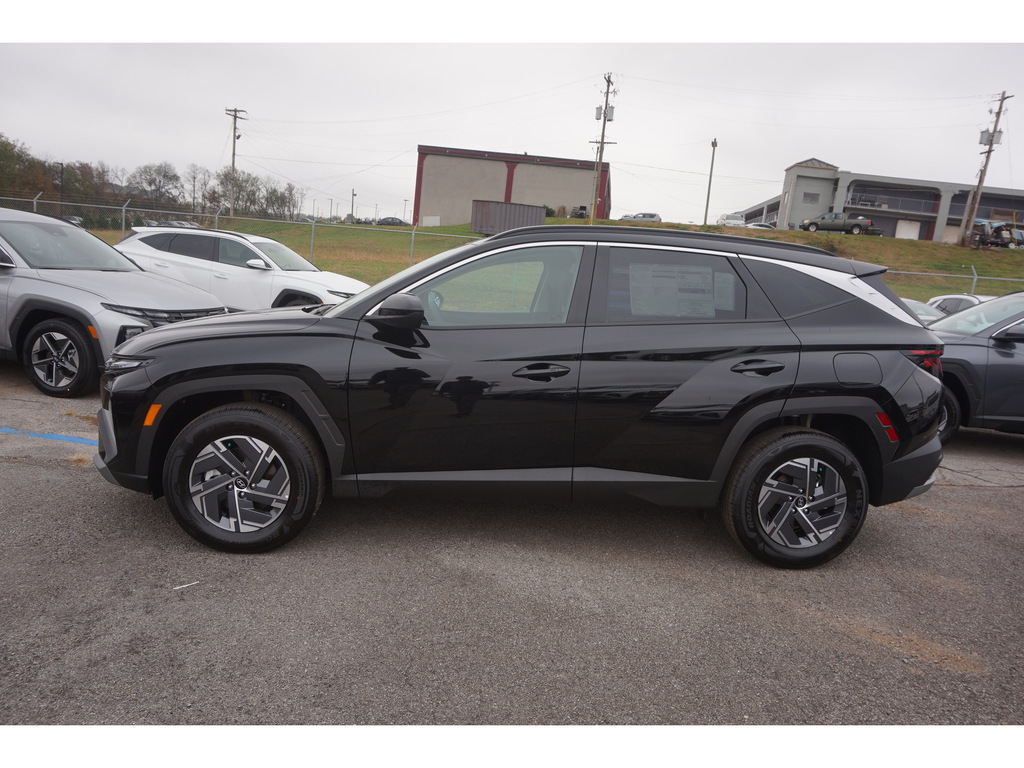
pixel 290 294
pixel 181 403
pixel 34 311
pixel 839 421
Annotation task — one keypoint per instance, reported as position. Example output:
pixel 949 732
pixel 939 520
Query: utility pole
pixel 991 139
pixel 235 115
pixel 714 146
pixel 352 212
pixel 604 115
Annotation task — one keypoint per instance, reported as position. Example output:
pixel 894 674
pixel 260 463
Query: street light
pixel 714 146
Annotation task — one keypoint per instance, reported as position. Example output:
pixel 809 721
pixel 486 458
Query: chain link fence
pixel 372 253
pixel 367 253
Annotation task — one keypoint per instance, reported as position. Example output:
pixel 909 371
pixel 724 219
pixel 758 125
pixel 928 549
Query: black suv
pixel 782 384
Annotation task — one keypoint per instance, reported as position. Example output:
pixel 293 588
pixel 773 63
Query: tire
pixel 217 460
pixel 812 227
pixel 59 359
pixel 949 416
pixel 766 507
pixel 855 229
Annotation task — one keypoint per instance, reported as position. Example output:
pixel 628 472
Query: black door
pixel 677 352
pixel 486 388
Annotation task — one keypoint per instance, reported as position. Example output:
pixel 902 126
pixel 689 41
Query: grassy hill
pixel 371 254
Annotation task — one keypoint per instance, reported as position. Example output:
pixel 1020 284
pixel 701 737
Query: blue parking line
pixel 44 436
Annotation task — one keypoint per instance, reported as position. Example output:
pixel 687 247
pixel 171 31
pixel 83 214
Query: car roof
pixel 13 214
pixel 751 246
pixel 203 231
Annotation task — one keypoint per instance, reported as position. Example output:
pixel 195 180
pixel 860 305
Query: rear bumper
pixel 912 474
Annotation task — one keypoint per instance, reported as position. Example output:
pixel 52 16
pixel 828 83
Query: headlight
pixel 163 316
pixel 117 364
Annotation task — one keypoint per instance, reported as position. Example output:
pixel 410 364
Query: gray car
pixel 67 299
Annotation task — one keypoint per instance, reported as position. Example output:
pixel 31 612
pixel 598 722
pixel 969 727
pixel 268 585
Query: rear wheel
pixel 949 416
pixel 244 478
pixel 795 499
pixel 59 359
pixel 855 229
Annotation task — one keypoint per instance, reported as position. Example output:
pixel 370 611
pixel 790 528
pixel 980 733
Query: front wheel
pixel 795 499
pixel 59 359
pixel 812 227
pixel 244 478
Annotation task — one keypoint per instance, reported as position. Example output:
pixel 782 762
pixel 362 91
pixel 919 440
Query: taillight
pixel 928 359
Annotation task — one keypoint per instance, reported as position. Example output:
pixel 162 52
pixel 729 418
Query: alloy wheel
pixel 239 484
pixel 802 503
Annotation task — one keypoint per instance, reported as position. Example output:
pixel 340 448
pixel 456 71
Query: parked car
pixel 924 312
pixel 392 221
pixel 731 220
pixel 76 220
pixel 784 386
pixel 948 303
pixel 983 366
pixel 760 225
pixel 243 271
pixel 837 222
pixel 67 299
pixel 652 217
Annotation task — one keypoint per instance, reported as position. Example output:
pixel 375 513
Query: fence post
pixel 34 199
pixel 123 207
pixel 974 283
pixel 312 239
pixel 412 244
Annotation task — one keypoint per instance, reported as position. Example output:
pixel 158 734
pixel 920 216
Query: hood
pixel 132 289
pixel 271 322
pixel 330 281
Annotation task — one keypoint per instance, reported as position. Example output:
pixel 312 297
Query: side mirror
pixel 400 310
pixel 257 264
pixel 1013 333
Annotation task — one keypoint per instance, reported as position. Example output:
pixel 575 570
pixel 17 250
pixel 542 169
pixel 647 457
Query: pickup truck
pixel 837 222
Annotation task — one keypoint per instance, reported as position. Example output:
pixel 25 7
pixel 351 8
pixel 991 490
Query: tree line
pixel 198 190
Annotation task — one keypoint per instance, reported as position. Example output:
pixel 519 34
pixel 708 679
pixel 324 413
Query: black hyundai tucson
pixel 783 385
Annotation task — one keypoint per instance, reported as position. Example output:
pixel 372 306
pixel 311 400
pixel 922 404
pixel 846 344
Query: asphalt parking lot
pixel 404 610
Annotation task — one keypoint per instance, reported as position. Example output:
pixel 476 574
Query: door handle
pixel 541 372
pixel 757 367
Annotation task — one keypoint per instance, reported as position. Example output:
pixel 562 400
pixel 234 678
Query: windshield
pixel 49 245
pixel 285 257
pixel 982 316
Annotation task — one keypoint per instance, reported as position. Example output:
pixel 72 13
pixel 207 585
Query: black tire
pixel 855 229
pixel 216 462
pixel 59 359
pixel 949 416
pixel 812 227
pixel 766 506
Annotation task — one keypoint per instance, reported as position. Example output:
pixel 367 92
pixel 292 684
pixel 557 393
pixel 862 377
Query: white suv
pixel 244 271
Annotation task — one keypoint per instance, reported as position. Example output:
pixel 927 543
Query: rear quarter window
pixel 793 292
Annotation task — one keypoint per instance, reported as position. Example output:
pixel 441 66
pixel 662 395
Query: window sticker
pixel 672 290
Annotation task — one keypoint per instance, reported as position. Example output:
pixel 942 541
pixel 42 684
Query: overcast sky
pixel 331 117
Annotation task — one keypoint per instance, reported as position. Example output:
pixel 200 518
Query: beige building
pixel 448 180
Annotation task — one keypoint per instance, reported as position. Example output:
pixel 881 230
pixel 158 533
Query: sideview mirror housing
pixel 400 310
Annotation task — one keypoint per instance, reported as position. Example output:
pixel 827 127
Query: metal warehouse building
pixel 906 208
pixel 448 180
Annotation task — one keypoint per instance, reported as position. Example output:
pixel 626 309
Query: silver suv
pixel 67 299
pixel 245 272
